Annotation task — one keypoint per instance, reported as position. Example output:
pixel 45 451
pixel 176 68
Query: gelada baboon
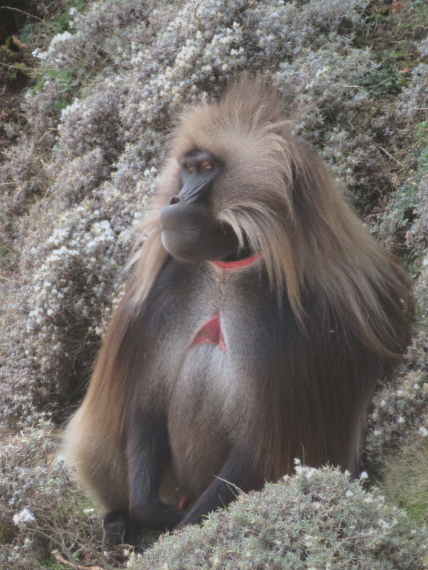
pixel 258 320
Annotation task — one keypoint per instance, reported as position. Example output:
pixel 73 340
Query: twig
pixel 22 12
pixel 390 156
pixel 56 554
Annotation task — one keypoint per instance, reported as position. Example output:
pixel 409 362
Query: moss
pixel 405 480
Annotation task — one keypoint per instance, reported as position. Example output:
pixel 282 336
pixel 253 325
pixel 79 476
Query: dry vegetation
pixel 79 163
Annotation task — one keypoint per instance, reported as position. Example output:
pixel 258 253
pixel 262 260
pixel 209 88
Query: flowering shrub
pixel 400 409
pixel 316 519
pixel 400 415
pixel 39 504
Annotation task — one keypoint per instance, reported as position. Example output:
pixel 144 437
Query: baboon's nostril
pixel 174 200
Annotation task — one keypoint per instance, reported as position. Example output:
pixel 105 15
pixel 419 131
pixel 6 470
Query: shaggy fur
pixel 328 315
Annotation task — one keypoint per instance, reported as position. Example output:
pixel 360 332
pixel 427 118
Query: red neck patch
pixel 225 265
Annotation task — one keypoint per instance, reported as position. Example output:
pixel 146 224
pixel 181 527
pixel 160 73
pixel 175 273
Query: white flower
pixel 23 517
pixel 60 38
pixel 309 472
pixel 39 54
pixel 363 476
pixel 400 420
pixel 423 431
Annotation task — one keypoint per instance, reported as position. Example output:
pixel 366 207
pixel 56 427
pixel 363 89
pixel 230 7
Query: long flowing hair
pixel 277 193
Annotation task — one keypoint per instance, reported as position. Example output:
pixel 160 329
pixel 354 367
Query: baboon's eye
pixel 206 166
pixel 188 167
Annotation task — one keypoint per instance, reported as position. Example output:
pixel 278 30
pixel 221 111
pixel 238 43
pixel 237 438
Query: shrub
pixel 405 479
pixel 315 519
pixel 41 509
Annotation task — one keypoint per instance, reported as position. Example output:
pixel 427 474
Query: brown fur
pixel 319 242
pixel 276 192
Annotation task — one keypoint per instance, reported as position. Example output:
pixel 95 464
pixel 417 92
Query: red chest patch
pixel 211 333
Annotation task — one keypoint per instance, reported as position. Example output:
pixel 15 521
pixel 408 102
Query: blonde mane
pixel 283 199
